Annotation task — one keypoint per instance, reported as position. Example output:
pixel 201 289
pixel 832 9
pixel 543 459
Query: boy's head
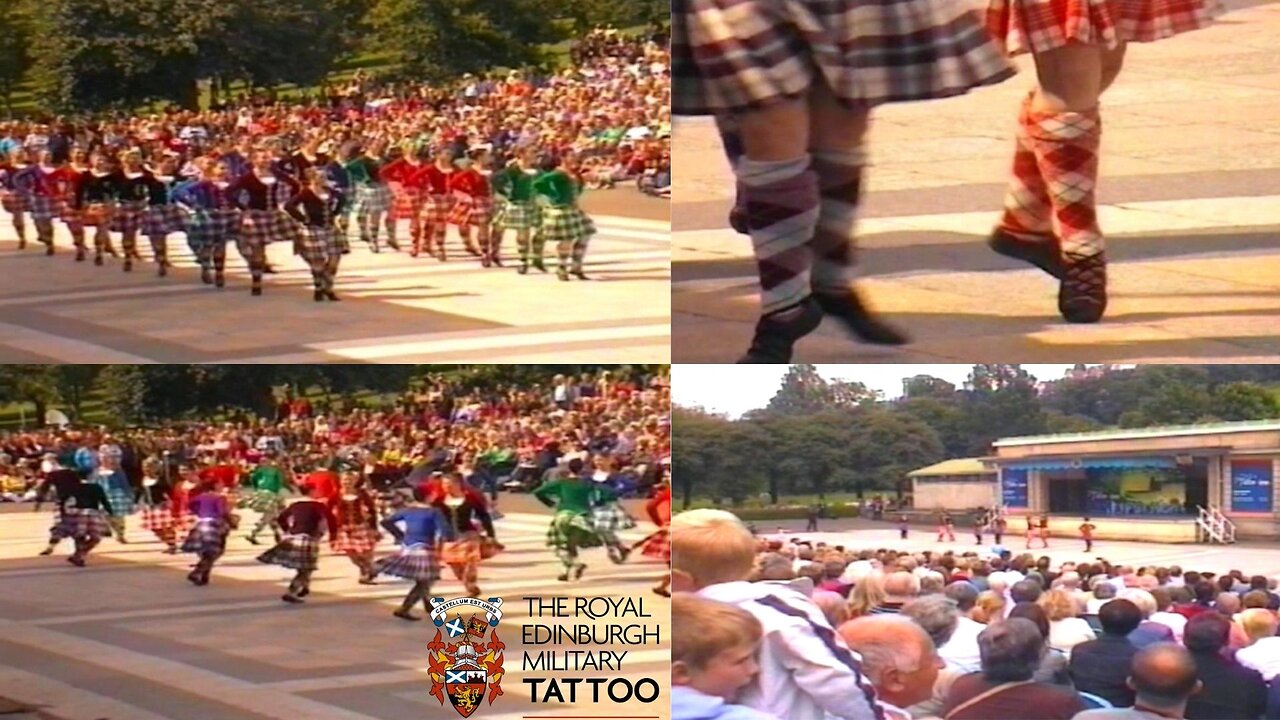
pixel 709 547
pixel 716 652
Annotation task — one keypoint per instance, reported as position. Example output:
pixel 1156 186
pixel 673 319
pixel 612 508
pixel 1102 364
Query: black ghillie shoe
pixel 857 318
pixel 1044 253
pixel 1082 296
pixel 775 339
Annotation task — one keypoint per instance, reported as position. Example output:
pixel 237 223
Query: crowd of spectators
pixel 963 636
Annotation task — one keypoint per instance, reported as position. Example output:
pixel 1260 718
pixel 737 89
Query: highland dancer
pixel 424 528
pixel 267 483
pixel 465 509
pixel 63 483
pixel 608 518
pixel 85 521
pixel 407 178
pixel 115 485
pixel 1050 217
pixel 208 538
pixel 356 533
pixel 570 530
pixel 518 209
pixel 97 198
pixel 263 222
pixel 38 184
pixel 212 219
pixel 658 545
pixel 69 178
pixel 133 195
pixel 801 101
pixel 438 202
pixel 157 509
pixel 162 215
pixel 14 202
pixel 473 206
pixel 563 221
pixel 317 208
pixel 304 523
pixel 373 197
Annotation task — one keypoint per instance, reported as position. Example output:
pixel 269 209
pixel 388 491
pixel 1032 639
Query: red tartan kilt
pixel 1043 25
pixel 13 202
pixel 407 203
pixel 477 211
pixel 157 519
pixel 70 215
pixel 358 540
pixel 183 523
pixel 465 551
pixel 96 215
pixel 127 217
pixel 435 211
pixel 658 546
pixel 44 207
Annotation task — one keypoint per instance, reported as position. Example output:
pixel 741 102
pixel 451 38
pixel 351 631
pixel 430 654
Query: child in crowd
pixel 710 666
pixel 807 671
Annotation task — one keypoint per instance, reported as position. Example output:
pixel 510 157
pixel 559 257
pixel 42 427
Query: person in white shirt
pixel 1065 629
pixel 807 672
pixel 1263 652
pixel 961 650
pixel 1103 592
pixel 1175 622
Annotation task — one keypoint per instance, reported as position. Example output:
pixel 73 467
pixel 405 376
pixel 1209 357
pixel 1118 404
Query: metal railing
pixel 1214 527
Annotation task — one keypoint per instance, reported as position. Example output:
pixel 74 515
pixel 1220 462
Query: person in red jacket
pixel 327 484
pixel 407 176
pixel 658 545
pixel 473 205
pixel 435 210
pixel 67 180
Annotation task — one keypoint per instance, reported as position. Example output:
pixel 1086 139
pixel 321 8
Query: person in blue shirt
pixel 419 529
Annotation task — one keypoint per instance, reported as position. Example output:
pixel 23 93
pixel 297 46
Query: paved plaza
pixel 129 639
pixel 394 309
pixel 1190 198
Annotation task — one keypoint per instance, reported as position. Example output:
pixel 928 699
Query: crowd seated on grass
pixel 995 635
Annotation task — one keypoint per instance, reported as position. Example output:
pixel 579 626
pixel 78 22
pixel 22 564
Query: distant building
pixel 960 484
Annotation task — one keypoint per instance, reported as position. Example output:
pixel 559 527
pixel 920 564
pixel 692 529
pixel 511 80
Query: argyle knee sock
pixel 840 184
pixel 781 201
pixel 1066 148
pixel 1027 211
pixel 580 253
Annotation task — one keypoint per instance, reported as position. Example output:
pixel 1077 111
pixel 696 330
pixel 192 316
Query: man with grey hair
pixel 898 657
pixel 1011 652
pixel 961 651
pixel 899 588
pixel 1164 678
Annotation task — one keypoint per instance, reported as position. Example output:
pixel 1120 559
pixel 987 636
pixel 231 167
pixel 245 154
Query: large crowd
pixel 423 468
pixel 486 155
pixel 789 628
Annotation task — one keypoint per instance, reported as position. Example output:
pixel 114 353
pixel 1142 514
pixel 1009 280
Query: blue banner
pixel 1251 486
pixel 1013 487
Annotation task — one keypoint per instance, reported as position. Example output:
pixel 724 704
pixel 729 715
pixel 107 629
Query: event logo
pixel 465 670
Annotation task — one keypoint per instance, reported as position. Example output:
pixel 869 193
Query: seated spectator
pixel 898 657
pixel 1053 666
pixel 832 570
pixel 1147 632
pixel 990 607
pixel 1099 667
pixel 1028 590
pixel 961 651
pixel 899 589
pixel 1230 689
pixel 1103 592
pixel 939 617
pixel 834 607
pixel 1011 651
pixel 867 594
pixel 710 667
pixel 1163 678
pixel 1065 629
pixel 1263 652
pixel 1162 615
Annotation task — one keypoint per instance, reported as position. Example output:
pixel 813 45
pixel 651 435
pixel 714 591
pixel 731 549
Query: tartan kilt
pixel 319 245
pixel 435 210
pixel 209 535
pixel 416 562
pixel 262 501
pixel 183 522
pixel 160 220
pixel 731 56
pixel 567 527
pixel 463 551
pixel 70 214
pixel 299 552
pixel 121 500
pixel 44 207
pixel 357 540
pixel 372 199
pixel 263 227
pixel 158 518
pixel 519 215
pixel 658 545
pixel 86 524
pixel 566 224
pixel 1043 25
pixel 127 217
pixel 211 227
pixel 473 210
pixel 97 215
pixel 407 202
pixel 610 518
pixel 13 202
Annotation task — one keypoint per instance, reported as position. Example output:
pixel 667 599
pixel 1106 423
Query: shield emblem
pixel 465 681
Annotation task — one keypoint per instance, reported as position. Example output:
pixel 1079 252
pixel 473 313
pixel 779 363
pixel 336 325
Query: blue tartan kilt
pixel 121 500
pixel 160 220
pixel 299 552
pixel 610 518
pixel 263 227
pixel 82 525
pixel 206 228
pixel 208 536
pixel 415 562
pixel 572 528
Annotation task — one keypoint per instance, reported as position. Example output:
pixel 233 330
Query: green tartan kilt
pixel 567 224
pixel 518 215
pixel 263 501
pixel 571 528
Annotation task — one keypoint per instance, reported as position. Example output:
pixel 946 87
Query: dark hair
pixel 1010 650
pixel 963 593
pixel 1025 591
pixel 1205 593
pixel 1119 617
pixel 1258 582
pixel 1034 613
pixel 1206 632
pixel 575 466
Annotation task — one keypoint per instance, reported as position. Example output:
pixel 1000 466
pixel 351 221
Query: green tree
pixel 74 383
pixel 15 49
pixel 927 386
pixel 1244 401
pixel 35 385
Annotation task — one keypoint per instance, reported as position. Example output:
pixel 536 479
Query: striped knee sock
pixel 840 183
pixel 781 200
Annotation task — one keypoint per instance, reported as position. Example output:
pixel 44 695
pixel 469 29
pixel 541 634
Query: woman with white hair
pixel 1147 633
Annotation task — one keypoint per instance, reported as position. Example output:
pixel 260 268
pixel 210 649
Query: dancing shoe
pixel 256 291
pixel 318 296
pixel 738 220
pixel 578 570
pixel 562 274
pixel 47 551
pixel 22 243
pixel 394 245
pixel 580 275
pixel 333 297
pixel 662 591
pixel 219 280
pixel 291 599
pixel 485 261
pixel 97 260
pixel 1043 253
pixel 76 560
pixel 206 276
pixel 48 249
pixel 367 581
pixel 775 339
pixel 128 265
pixel 1082 296
pixel 268 270
pixel 497 260
pixel 79 255
pixel 524 268
pixel 252 540
pixel 406 615
pixel 304 592
pixel 857 318
pixel 539 265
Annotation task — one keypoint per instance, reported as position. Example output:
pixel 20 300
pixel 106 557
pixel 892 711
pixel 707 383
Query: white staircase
pixel 1214 527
